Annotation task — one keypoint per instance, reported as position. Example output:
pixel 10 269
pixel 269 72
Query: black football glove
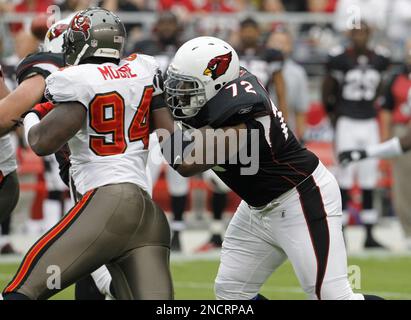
pixel 348 156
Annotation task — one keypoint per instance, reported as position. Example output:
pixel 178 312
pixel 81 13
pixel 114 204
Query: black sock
pixel 345 197
pixel 219 203
pixel 15 296
pixel 178 205
pixel 368 230
pixel 5 226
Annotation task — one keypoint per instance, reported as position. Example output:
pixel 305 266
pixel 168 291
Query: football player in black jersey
pixel 291 204
pixel 351 86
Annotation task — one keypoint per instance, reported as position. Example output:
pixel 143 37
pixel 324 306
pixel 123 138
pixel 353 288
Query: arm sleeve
pixel 40 63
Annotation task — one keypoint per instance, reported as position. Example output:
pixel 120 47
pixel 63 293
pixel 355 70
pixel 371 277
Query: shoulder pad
pixel 238 101
pixel 153 67
pixel 40 63
pixel 65 86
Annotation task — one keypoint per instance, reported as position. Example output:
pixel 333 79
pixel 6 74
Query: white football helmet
pixel 200 68
pixel 53 41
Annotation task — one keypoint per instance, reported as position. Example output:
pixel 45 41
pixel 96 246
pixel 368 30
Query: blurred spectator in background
pixel 134 30
pixel 76 5
pixel 25 6
pixel 218 6
pixel 24 44
pixel 399 22
pixel 265 64
pixel 317 38
pixel 273 6
pixel 294 5
pixel 350 13
pixel 396 118
pixel 182 8
pixel 296 81
pixel 316 6
pixel 164 40
pixel 125 5
pixel 350 88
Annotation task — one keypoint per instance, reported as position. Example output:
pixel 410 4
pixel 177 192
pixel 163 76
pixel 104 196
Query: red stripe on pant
pixel 37 248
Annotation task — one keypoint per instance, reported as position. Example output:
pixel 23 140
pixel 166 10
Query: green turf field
pixel 389 277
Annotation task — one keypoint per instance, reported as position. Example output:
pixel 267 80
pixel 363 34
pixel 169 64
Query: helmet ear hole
pixel 217 86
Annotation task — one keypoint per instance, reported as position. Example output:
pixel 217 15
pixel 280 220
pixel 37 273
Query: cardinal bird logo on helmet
pixel 218 66
pixel 56 31
pixel 81 23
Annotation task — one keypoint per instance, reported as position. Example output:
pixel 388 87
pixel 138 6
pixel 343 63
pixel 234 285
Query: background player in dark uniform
pixel 265 63
pixel 350 88
pixel 395 121
pixel 291 204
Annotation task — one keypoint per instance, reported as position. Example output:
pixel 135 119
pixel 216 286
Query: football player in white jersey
pixel 102 108
pixel 9 185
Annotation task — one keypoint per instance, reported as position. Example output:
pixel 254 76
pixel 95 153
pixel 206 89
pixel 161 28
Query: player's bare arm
pixel 56 128
pixel 215 149
pixel 211 141
pixel 19 101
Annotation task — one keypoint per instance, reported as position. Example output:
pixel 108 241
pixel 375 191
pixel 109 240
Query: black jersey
pixel 45 63
pixel 262 63
pixel 359 78
pixel 283 163
pixel 40 63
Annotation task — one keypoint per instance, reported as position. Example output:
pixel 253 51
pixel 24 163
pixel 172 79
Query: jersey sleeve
pixel 41 63
pixel 237 102
pixel 64 86
pixel 153 67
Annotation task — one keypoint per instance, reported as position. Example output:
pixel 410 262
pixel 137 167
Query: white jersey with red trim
pixel 7 156
pixel 112 145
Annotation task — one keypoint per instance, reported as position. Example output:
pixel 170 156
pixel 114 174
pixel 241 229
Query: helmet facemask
pixel 186 95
